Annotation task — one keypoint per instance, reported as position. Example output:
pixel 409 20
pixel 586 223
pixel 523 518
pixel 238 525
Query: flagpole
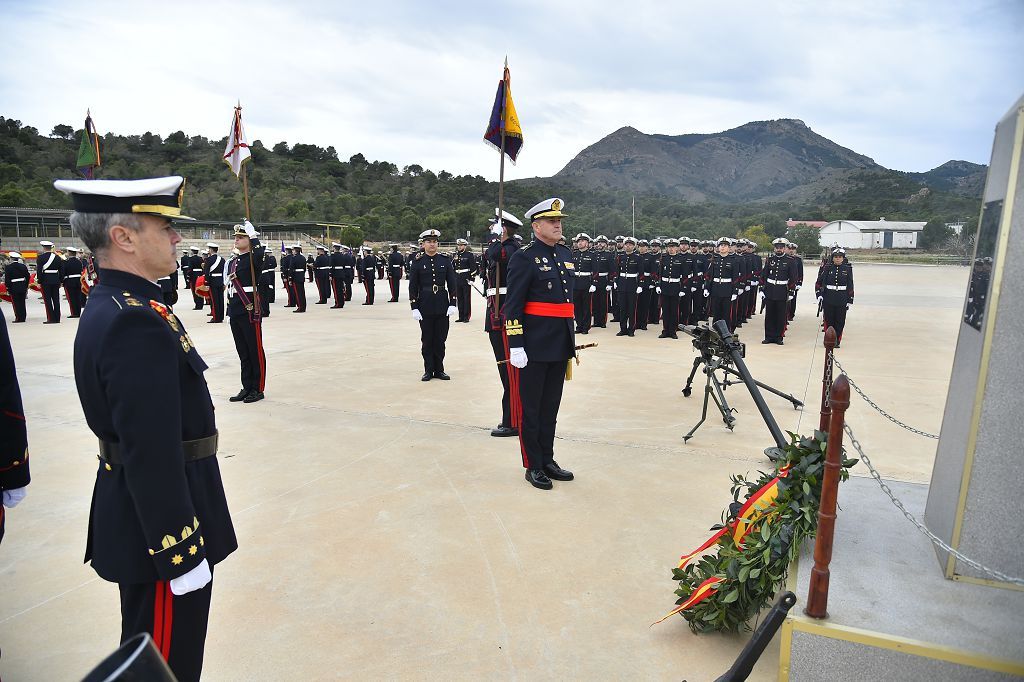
pixel 245 192
pixel 634 216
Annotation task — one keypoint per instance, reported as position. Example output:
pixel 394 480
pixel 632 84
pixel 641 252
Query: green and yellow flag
pixel 89 149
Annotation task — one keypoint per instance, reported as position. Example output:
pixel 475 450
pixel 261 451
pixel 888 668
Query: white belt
pixel 629 275
pixel 347 267
pixel 460 272
pixel 12 281
pixel 268 270
pixel 71 276
pixel 671 280
pixel 780 281
pixel 323 267
pixel 502 290
pixel 835 288
pixel 398 266
pixel 51 272
pixel 584 274
pixel 300 269
pixel 722 280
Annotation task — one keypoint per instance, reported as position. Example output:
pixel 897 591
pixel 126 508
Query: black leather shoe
pixel 621 333
pixel 337 306
pixel 663 335
pixel 557 473
pixel 767 341
pixel 538 479
pixel 427 376
pixel 442 376
pixel 629 333
pixel 253 397
pixel 242 395
pixel 502 431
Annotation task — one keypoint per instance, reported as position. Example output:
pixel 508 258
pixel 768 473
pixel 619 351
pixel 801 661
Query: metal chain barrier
pixel 882 412
pixel 920 526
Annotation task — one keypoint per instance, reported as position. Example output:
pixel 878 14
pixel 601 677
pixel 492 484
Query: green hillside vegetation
pixel 304 182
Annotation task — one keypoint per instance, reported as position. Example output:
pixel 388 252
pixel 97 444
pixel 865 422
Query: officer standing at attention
pixel 186 269
pixel 267 283
pixel 674 273
pixel 350 270
pixel 834 290
pixel 629 269
pixel 432 297
pixel 297 268
pixel 213 268
pixel 16 276
pixel 721 284
pixel 539 323
pixel 792 251
pixel 14 471
pixel 367 270
pixel 322 274
pixel 244 315
pixel 196 263
pixel 497 257
pixel 395 265
pixel 71 278
pixel 778 282
pixel 159 521
pixel 584 283
pixel 603 267
pixel 466 267
pixel 337 275
pixel 49 278
pixel 285 265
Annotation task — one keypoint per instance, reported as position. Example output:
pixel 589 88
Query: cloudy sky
pixel 911 84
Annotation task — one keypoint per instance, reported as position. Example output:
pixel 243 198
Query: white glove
pixel 791 297
pixel 250 230
pixel 747 288
pixel 734 297
pixel 417 315
pixel 693 290
pixel 452 310
pixel 608 288
pixel 762 294
pixel 196 579
pixel 14 496
pixel 657 289
pixel 848 305
pixel 593 288
pixel 639 289
pixel 819 299
pixel 798 286
pixel 681 293
pixel 517 358
pixel 706 293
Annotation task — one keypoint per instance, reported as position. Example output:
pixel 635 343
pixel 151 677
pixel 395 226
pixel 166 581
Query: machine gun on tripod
pixel 718 350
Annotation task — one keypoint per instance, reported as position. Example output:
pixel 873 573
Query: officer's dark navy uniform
pixel 186 270
pixel 350 271
pixel 48 275
pixel 584 283
pixel 14 468
pixel 497 258
pixel 396 263
pixel 628 271
pixel 71 276
pixel 466 268
pixel 539 320
pixel 213 269
pixel 159 514
pixel 654 301
pixel 286 277
pixel 604 262
pixel 337 275
pixel 196 264
pixel 322 275
pixel 167 288
pixel 778 285
pixel 432 296
pixel 721 285
pixel 835 289
pixel 675 274
pixel 297 276
pixel 16 277
pixel 246 317
pixel 367 270
pixel 799 278
pixel 268 283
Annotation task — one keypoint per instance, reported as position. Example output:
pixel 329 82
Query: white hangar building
pixel 871 234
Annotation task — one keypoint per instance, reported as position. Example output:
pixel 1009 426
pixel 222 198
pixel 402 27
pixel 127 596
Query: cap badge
pixel 556 205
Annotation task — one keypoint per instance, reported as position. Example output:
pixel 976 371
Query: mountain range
pixel 780 160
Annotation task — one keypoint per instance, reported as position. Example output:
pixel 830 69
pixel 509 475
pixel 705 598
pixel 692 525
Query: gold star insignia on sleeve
pixel 192 550
pixel 176 559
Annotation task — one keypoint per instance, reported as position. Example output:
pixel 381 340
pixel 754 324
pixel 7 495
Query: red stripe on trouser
pixel 168 621
pixel 262 356
pixel 46 304
pixel 334 288
pixel 163 618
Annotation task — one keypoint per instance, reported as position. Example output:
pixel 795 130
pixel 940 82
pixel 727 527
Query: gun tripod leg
pixel 723 404
pixel 689 380
pixel 704 412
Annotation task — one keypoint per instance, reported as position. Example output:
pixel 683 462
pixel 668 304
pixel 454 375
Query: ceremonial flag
pixel 88 149
pixel 237 150
pixel 504 120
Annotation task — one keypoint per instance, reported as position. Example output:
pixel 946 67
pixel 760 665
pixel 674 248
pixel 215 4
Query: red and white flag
pixel 237 150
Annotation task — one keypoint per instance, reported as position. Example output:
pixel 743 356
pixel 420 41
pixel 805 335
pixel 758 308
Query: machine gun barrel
pixel 740 670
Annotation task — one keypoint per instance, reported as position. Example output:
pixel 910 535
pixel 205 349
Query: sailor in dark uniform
pixel 721 284
pixel 268 284
pixel 367 272
pixel 497 255
pixel 337 275
pixel 286 277
pixel 159 521
pixel 432 297
pixel 16 277
pixel 48 275
pixel 539 323
pixel 213 268
pixel 628 270
pixel 350 270
pixel 396 263
pixel 245 312
pixel 674 274
pixel 834 290
pixel 584 283
pixel 186 269
pixel 297 277
pixel 322 274
pixel 71 278
pixel 778 284
pixel 466 268
pixel 604 262
pixel 14 471
pixel 792 251
pixel 195 262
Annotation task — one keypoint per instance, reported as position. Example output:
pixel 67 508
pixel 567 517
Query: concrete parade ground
pixel 384 534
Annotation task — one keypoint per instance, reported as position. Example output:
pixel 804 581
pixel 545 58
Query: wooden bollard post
pixel 826 379
pixel 817 592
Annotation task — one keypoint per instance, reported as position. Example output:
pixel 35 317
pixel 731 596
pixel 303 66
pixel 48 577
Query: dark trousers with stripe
pixel 323 287
pixel 348 289
pixel 217 303
pixel 498 346
pixel 599 305
pixel 540 394
pixel 834 316
pixel 73 291
pixel 581 299
pixel 627 306
pixel 721 308
pixel 248 336
pixel 643 307
pixel 464 300
pixel 395 282
pixel 433 334
pixel 51 299
pixel 338 289
pixel 177 623
pixel 368 284
pixel 792 308
pixel 290 291
pixel 775 313
pixel 299 288
pixel 18 301
pixel 197 300
pixel 670 310
pixel 654 315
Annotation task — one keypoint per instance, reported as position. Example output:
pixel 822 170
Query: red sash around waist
pixel 549 309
